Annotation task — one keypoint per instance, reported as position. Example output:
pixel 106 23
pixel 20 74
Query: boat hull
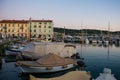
pixel 45 69
pixel 12 52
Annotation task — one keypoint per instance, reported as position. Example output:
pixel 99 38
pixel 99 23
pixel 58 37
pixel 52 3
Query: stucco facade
pixel 12 28
pixel 42 29
pixel 38 29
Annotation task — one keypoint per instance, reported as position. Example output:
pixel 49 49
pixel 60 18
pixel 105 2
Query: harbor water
pixel 96 58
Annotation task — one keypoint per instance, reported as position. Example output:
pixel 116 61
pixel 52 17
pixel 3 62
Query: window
pixel 5 24
pixel 40 23
pixel 39 36
pixel 13 24
pixel 13 30
pixel 39 26
pixel 9 30
pixel 34 30
pixel 49 35
pixel 9 24
pixel 49 26
pixel 45 23
pixel 35 26
pixel 22 27
pixel 44 26
pixel 30 30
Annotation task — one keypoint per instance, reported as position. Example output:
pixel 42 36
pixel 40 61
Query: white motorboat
pixel 106 75
pixel 94 41
pixel 86 41
pixel 13 50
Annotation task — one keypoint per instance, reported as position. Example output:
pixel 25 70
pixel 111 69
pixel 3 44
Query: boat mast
pixel 63 34
pixel 109 31
pixel 81 37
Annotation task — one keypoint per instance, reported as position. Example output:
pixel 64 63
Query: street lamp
pixel 30 27
pixel 5 29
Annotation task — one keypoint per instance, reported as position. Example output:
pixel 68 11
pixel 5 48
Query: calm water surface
pixel 99 57
pixel 96 58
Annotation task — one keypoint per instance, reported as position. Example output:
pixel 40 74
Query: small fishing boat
pixel 46 64
pixel 73 75
pixel 106 75
pixel 13 50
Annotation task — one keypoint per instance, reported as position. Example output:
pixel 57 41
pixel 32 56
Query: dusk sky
pixel 91 14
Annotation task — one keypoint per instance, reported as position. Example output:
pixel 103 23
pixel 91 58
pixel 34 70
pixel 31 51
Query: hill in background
pixel 87 31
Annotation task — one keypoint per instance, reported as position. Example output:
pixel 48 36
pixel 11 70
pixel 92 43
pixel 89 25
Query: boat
pixel 48 63
pixel 106 75
pixel 86 41
pixel 73 75
pixel 105 42
pixel 94 41
pixel 36 50
pixel 13 50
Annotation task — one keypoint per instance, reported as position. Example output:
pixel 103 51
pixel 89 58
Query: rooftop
pixel 23 21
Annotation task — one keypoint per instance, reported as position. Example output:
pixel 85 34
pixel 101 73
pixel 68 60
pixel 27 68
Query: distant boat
pixel 49 63
pixel 105 42
pixel 86 41
pixel 106 75
pixel 99 41
pixel 94 41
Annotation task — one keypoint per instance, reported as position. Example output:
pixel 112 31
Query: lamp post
pixel 30 27
pixel 5 29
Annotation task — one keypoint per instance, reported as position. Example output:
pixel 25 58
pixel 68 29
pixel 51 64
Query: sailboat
pixel 86 38
pixel 107 40
pixel 100 38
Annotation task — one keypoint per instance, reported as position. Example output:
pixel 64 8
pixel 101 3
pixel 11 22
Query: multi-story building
pixel 42 29
pixel 13 28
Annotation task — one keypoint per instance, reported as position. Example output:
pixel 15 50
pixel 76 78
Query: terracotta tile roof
pixel 41 20
pixel 13 21
pixel 23 21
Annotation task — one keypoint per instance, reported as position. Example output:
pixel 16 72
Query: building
pixel 14 28
pixel 42 30
pixel 37 29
